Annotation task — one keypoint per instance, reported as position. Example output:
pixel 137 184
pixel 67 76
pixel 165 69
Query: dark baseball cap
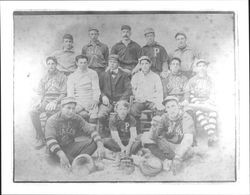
pixel 125 27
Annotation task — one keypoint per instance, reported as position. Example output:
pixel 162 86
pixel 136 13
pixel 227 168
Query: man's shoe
pixel 39 144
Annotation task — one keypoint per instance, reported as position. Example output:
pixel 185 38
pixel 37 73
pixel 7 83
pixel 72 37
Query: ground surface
pixel 208 164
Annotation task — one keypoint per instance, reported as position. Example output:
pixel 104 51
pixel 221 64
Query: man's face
pixel 93 35
pixel 181 41
pixel 175 66
pixel 145 66
pixel 122 112
pixel 68 110
pixel 82 63
pixel 67 43
pixel 126 33
pixel 113 64
pixel 51 66
pixel 172 109
pixel 150 38
pixel 201 68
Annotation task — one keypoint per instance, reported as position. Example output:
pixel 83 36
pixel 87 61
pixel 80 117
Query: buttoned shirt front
pixel 97 53
pixel 187 56
pixel 66 60
pixel 147 87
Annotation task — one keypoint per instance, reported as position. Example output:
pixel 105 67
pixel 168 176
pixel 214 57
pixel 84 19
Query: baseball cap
pixel 67 100
pixel 93 28
pixel 114 57
pixel 125 27
pixel 145 58
pixel 169 98
pixel 201 60
pixel 148 30
pixel 68 36
pixel 180 33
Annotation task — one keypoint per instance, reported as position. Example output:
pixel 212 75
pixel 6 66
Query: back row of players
pixel 97 83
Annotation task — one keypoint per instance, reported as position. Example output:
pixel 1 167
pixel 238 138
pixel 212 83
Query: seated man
pixel 173 136
pixel 123 131
pixel 175 82
pixel 62 130
pixel 115 86
pixel 199 94
pixel 52 89
pixel 147 90
pixel 83 84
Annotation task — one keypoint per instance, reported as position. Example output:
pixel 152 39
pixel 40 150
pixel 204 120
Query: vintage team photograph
pixel 124 96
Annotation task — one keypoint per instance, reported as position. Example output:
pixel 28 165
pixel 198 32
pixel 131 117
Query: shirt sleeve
pixel 40 89
pixel 112 123
pixel 106 54
pixel 188 124
pixel 132 122
pixel 113 50
pixel 95 87
pixel 128 89
pixel 64 84
pixel 165 59
pixel 50 136
pixel 70 86
pixel 159 91
pixel 84 50
pixel 89 129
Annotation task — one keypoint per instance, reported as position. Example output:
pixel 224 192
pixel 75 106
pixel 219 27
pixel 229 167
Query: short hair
pixel 123 103
pixel 51 58
pixel 175 58
pixel 81 57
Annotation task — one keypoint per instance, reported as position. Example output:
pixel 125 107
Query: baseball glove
pixel 150 166
pixel 127 165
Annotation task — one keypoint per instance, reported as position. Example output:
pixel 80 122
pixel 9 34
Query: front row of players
pixel 171 134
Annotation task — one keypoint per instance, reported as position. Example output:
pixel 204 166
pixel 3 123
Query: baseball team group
pixel 96 101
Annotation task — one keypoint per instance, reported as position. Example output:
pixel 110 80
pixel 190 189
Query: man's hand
pixel 93 104
pixel 176 166
pixel 51 106
pixel 164 74
pixel 127 149
pixel 105 100
pixel 64 161
pixel 100 150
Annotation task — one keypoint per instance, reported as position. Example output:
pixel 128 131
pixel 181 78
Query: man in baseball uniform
pixel 128 50
pixel 96 51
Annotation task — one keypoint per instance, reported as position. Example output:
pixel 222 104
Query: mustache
pixel 125 36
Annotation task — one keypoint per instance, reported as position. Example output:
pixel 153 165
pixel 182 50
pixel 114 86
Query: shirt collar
pixel 91 43
pixel 184 49
pixel 68 50
pixel 130 41
pixel 152 44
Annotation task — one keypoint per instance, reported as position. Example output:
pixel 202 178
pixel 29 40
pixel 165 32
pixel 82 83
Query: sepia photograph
pixel 124 96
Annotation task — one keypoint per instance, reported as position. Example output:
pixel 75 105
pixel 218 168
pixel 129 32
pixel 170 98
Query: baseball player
pixel 128 51
pixel 175 82
pixel 83 84
pixel 199 94
pixel 173 136
pixel 115 86
pixel 185 53
pixel 62 130
pixel 66 56
pixel 52 88
pixel 96 51
pixel 123 131
pixel 156 53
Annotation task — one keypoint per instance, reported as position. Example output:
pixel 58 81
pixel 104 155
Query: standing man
pixel 52 89
pixel 66 56
pixel 115 86
pixel 156 53
pixel 96 51
pixel 83 84
pixel 173 136
pixel 185 53
pixel 62 131
pixel 128 51
pixel 147 90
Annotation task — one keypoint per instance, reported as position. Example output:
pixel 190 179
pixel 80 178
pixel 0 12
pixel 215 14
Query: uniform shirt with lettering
pixel 59 132
pixel 84 86
pixel 97 53
pixel 173 130
pixel 128 55
pixel 66 60
pixel 53 84
pixel 158 56
pixel 122 126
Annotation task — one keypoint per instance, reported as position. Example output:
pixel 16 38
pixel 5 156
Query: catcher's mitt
pixel 83 164
pixel 150 166
pixel 127 165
